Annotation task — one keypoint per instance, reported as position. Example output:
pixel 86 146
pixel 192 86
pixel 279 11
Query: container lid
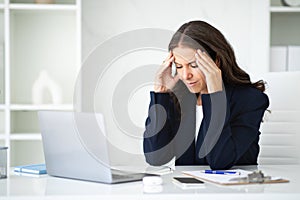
pixel 1 148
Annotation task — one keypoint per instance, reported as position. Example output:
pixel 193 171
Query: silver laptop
pixel 75 147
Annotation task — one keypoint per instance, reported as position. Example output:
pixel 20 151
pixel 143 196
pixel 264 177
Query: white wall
pixel 244 24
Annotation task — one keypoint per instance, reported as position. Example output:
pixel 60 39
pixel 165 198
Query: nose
pixel 186 73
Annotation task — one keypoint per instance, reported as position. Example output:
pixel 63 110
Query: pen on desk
pixel 219 172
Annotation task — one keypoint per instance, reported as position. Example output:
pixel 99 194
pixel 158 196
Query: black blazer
pixel 228 135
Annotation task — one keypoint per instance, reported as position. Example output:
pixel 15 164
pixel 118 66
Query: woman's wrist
pixel 160 89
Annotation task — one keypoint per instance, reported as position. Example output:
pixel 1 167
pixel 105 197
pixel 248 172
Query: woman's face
pixel 188 70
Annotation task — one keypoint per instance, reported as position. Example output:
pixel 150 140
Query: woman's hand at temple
pixel 211 71
pixel 164 81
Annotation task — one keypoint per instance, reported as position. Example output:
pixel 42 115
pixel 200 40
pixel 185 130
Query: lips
pixel 192 83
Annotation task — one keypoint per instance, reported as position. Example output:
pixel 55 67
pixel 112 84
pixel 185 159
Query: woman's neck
pixel 199 100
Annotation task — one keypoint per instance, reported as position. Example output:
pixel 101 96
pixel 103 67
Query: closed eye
pixel 193 65
pixel 178 66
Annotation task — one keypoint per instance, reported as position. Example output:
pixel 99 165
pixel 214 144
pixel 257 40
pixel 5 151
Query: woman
pixel 210 112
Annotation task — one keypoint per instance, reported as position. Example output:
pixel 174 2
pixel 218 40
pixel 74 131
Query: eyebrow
pixel 189 62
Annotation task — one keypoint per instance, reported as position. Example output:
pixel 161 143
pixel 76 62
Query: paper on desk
pixel 218 178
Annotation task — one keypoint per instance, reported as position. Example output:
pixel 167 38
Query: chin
pixel 193 91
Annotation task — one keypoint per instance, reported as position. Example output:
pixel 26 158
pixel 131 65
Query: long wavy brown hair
pixel 201 35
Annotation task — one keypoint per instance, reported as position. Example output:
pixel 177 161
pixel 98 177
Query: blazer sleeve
pixel 158 134
pixel 238 131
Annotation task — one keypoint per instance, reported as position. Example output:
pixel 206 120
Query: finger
pixel 210 66
pixel 207 58
pixel 203 63
pixel 169 55
pixel 212 74
pixel 202 68
pixel 169 61
pixel 208 70
pixel 166 64
pixel 201 57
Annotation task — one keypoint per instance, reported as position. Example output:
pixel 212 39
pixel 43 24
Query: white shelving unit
pixel 36 38
pixel 284 33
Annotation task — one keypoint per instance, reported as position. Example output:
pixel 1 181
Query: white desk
pixel 46 187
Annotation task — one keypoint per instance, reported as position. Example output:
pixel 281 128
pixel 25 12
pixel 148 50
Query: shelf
pixel 25 136
pixel 43 7
pixel 28 107
pixel 282 9
pixel 2 107
pixel 1 6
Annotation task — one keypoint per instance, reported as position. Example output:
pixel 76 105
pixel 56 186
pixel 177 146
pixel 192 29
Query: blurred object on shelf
pixel 44 84
pixel 44 1
pixel 3 162
pixel 292 3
